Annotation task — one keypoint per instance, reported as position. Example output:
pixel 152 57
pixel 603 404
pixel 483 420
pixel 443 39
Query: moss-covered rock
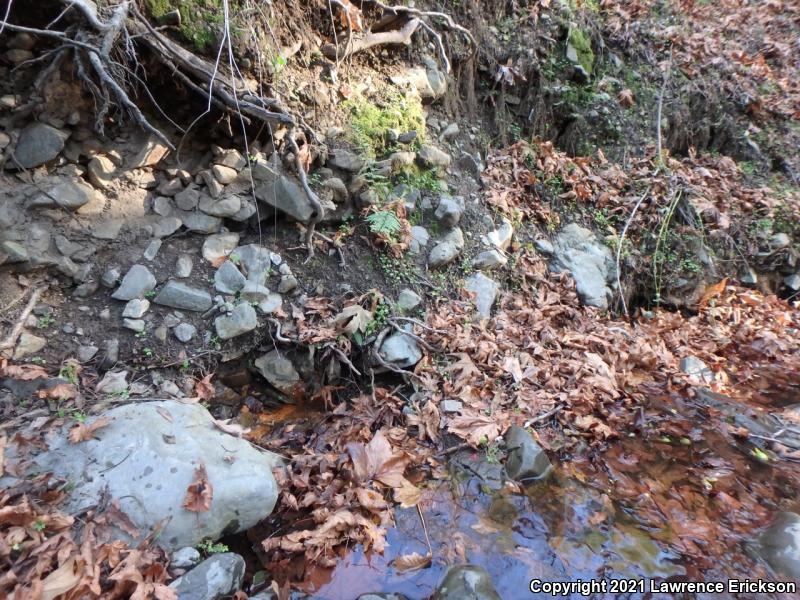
pixel 579 49
pixel 369 123
pixel 200 19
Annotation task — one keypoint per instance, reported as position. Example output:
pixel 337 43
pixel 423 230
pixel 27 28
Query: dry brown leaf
pixel 83 432
pixel 164 413
pixel 62 580
pixel 352 319
pixel 412 562
pixel 625 98
pixel 712 291
pixel 3 442
pixel 233 429
pixel 371 500
pixel 407 494
pixel 22 372
pixel 475 428
pixel 204 389
pixel 60 391
pixel 200 492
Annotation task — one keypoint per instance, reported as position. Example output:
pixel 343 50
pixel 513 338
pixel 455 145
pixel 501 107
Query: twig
pixel 453 449
pixel 318 210
pixel 412 335
pixel 418 323
pixel 660 157
pixel 619 248
pixel 11 339
pixel 544 416
pixel 278 335
pixel 379 359
pixel 343 357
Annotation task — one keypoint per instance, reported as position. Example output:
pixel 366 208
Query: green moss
pixel 368 122
pixel 583 48
pixel 199 18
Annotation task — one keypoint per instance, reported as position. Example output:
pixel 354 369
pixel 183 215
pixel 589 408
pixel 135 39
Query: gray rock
pixel 38 143
pixel 185 558
pixel 28 344
pixel 696 368
pixel 501 237
pixel 136 325
pixel 241 320
pixel 401 350
pixel 449 132
pixel 111 354
pixel 792 282
pixel 170 187
pixel 136 308
pixel 227 206
pixel 183 266
pixel 137 282
pixel 218 246
pixel 146 457
pixel 382 597
pixel 779 545
pixel 286 196
pixel 217 577
pixel 163 206
pixel 107 230
pixel 748 277
pixel 201 222
pixel 467 582
pixel 449 210
pixel 87 353
pixel 430 82
pixel 230 157
pixel 177 294
pixel 71 194
pixel 248 209
pixel 279 372
pixel 14 252
pixel 254 260
pixel 225 175
pixel 470 164
pixel 485 290
pixel 488 260
pixel 433 158
pixel 447 250
pixel 152 250
pixel 101 171
pixel 287 284
pixel 187 199
pixel 346 161
pixel 589 261
pixel 228 279
pixel 65 246
pixel 166 226
pixel 185 332
pixel 410 196
pixel 451 406
pixel 526 459
pixel 408 300
pixel 150 151
pixel 338 190
pixel 780 240
pixel 544 247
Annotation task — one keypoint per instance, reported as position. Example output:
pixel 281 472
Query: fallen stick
pixel 11 339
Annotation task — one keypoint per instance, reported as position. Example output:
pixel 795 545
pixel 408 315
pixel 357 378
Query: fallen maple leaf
pixel 352 319
pixel 62 580
pixel 475 428
pixel 412 562
pixel 83 432
pixel 625 98
pixel 200 492
pixel 61 391
pixel 204 389
pixel 712 291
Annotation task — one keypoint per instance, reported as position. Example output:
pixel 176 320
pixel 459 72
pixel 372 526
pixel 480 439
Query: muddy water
pixel 681 499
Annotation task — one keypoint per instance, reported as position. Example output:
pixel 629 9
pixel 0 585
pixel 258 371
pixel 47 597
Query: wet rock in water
pixel 185 558
pixel 401 350
pixel 286 196
pixel 28 344
pixel 589 261
pixel 526 459
pixel 779 545
pixel 136 308
pixel 239 321
pixel 185 332
pixel 279 371
pixel 38 143
pixel 408 300
pixel 228 279
pixel 146 457
pixel 449 210
pixel 697 369
pixel 215 578
pixel 485 290
pixel 447 250
pixel 176 294
pixel 488 260
pixel 431 157
pixel 136 283
pixel 467 582
pixel 219 246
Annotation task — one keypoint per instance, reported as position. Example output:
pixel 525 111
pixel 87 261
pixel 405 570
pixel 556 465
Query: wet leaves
pixel 200 492
pixel 83 432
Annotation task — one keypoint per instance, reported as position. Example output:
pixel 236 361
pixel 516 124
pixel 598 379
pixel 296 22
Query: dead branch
pixel 395 37
pixel 11 339
pixel 318 210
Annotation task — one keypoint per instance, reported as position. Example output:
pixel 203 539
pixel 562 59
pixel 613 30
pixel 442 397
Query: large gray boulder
pixel 590 262
pixel 38 143
pixel 217 577
pixel 285 196
pixel 779 545
pixel 467 582
pixel 146 457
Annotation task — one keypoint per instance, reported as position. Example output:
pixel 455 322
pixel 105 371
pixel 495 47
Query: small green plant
pixel 235 258
pixel 515 131
pixel 185 365
pixel 38 360
pixel 384 222
pixel 396 270
pixel 39 525
pixel 493 454
pixel 78 416
pixel 70 373
pixel 209 547
pixel 421 179
pixel 45 321
pixel 369 122
pixel 141 335
pixel 148 352
pixel 150 295
pixel 276 64
pixel 379 319
pixel 216 342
